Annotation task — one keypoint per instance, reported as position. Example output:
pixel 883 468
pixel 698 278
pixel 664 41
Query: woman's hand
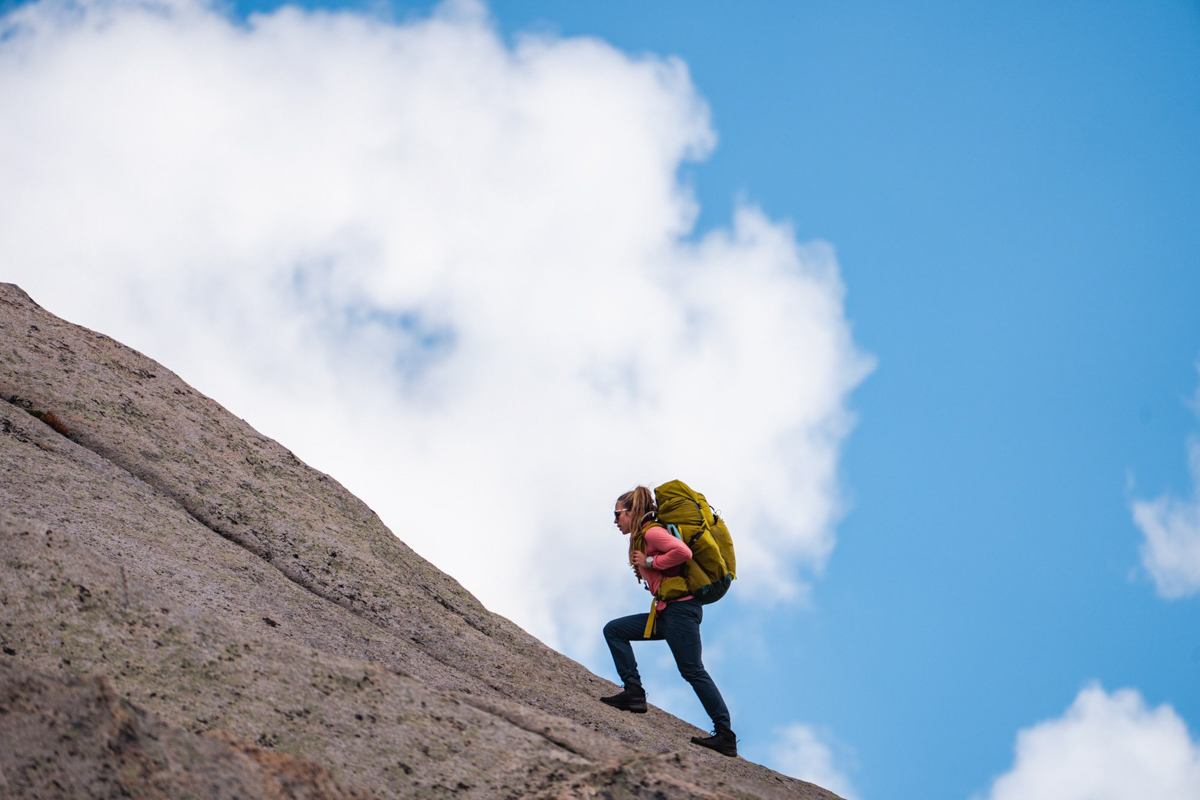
pixel 638 559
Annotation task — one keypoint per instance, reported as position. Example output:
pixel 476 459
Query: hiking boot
pixel 722 740
pixel 634 701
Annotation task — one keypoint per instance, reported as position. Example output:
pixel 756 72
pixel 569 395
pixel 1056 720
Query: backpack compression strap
pixel 652 618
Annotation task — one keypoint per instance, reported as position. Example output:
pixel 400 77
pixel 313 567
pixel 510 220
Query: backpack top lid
pixel 680 505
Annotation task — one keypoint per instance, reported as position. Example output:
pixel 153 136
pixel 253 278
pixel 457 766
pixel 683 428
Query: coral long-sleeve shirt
pixel 667 552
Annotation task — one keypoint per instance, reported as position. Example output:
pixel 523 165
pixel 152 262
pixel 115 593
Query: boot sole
pixel 715 749
pixel 634 709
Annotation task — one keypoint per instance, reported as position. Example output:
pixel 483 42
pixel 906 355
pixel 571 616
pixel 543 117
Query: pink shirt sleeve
pixel 666 549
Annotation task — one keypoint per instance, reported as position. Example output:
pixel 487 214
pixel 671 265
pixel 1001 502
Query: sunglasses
pixel 616 516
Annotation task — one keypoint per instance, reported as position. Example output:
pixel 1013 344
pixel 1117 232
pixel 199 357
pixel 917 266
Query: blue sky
pixel 1012 192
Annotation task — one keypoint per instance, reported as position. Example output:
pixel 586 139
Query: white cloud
pixel 1171 550
pixel 800 751
pixel 1106 747
pixel 455 273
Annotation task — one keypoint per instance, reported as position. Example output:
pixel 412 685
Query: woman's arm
pixel 665 549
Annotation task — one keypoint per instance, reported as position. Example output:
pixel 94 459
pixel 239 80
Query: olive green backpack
pixel 712 567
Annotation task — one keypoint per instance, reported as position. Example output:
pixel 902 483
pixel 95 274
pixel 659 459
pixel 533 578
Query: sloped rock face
pixel 165 563
pixel 78 738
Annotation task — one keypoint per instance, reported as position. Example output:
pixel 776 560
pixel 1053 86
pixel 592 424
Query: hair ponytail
pixel 642 509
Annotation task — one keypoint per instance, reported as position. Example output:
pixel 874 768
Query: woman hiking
pixel 653 551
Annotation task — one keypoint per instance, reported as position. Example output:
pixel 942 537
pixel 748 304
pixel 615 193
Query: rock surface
pixel 79 738
pixel 185 607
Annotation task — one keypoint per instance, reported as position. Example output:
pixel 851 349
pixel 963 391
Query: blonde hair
pixel 640 504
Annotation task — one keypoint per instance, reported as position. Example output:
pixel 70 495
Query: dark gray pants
pixel 679 624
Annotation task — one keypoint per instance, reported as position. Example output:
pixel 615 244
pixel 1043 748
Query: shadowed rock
pixel 224 588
